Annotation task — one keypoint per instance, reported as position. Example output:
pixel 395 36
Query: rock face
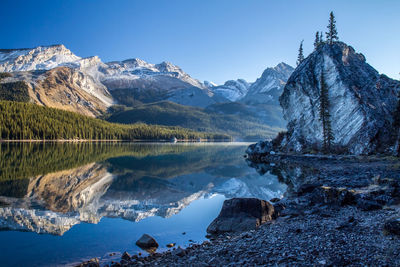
pixel 260 148
pixel 268 88
pixel 65 88
pixel 362 102
pixel 241 214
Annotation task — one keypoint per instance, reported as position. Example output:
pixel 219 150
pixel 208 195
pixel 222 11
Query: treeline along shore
pixel 25 121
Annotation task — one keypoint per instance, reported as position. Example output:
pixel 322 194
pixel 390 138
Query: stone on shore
pixel 147 242
pixel 241 214
pixel 90 263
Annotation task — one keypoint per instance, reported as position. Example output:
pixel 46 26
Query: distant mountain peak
pixel 283 67
pixel 232 90
pixel 268 88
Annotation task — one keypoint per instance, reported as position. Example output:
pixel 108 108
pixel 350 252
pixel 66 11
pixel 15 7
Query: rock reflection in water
pixel 129 181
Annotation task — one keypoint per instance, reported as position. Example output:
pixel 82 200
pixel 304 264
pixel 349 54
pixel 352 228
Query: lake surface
pixel 64 203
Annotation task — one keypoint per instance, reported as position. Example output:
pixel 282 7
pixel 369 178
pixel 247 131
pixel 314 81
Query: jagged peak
pixel 133 60
pixel 282 69
pixel 235 82
pixel 166 66
pixel 282 66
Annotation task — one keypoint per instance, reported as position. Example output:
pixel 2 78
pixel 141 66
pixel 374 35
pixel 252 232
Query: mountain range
pixel 58 78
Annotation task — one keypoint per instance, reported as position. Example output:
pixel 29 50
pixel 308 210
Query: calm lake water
pixel 64 203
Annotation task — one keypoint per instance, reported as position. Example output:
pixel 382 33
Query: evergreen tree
pixel 325 116
pixel 331 34
pixel 321 38
pixel 300 57
pixel 317 40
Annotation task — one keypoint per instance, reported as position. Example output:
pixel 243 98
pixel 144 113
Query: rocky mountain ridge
pixel 268 88
pixel 58 78
pixel 233 90
pixel 164 79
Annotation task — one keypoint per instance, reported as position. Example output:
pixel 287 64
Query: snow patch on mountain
pixel 233 89
pixel 268 88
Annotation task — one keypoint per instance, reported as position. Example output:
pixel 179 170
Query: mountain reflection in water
pixel 48 188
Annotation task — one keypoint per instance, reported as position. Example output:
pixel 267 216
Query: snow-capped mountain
pixel 38 58
pixel 163 81
pixel 233 90
pixel 268 88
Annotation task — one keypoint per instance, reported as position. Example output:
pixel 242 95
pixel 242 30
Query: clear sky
pixel 213 40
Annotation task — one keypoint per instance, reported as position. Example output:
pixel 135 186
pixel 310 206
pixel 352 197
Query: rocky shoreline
pixel 338 211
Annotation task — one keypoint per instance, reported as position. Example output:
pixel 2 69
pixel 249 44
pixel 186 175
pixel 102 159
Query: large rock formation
pixel 362 102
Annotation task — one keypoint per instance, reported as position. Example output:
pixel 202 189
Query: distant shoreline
pixel 112 140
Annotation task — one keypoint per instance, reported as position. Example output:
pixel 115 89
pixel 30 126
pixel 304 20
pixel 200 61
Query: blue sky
pixel 212 40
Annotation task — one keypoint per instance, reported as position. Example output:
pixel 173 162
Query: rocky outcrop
pixel 361 109
pixel 241 214
pixel 260 148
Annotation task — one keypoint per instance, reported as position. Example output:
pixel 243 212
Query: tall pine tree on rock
pixel 331 34
pixel 325 116
pixel 300 57
pixel 317 41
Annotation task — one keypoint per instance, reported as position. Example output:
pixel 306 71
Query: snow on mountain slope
pixel 169 80
pixel 268 88
pixel 41 58
pixel 232 90
pixel 137 69
pixel 209 84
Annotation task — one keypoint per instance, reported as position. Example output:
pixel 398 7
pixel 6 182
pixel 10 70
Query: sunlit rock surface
pixel 361 102
pixel 76 76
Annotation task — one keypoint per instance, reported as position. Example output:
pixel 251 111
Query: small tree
pixel 331 34
pixel 317 41
pixel 300 57
pixel 325 116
